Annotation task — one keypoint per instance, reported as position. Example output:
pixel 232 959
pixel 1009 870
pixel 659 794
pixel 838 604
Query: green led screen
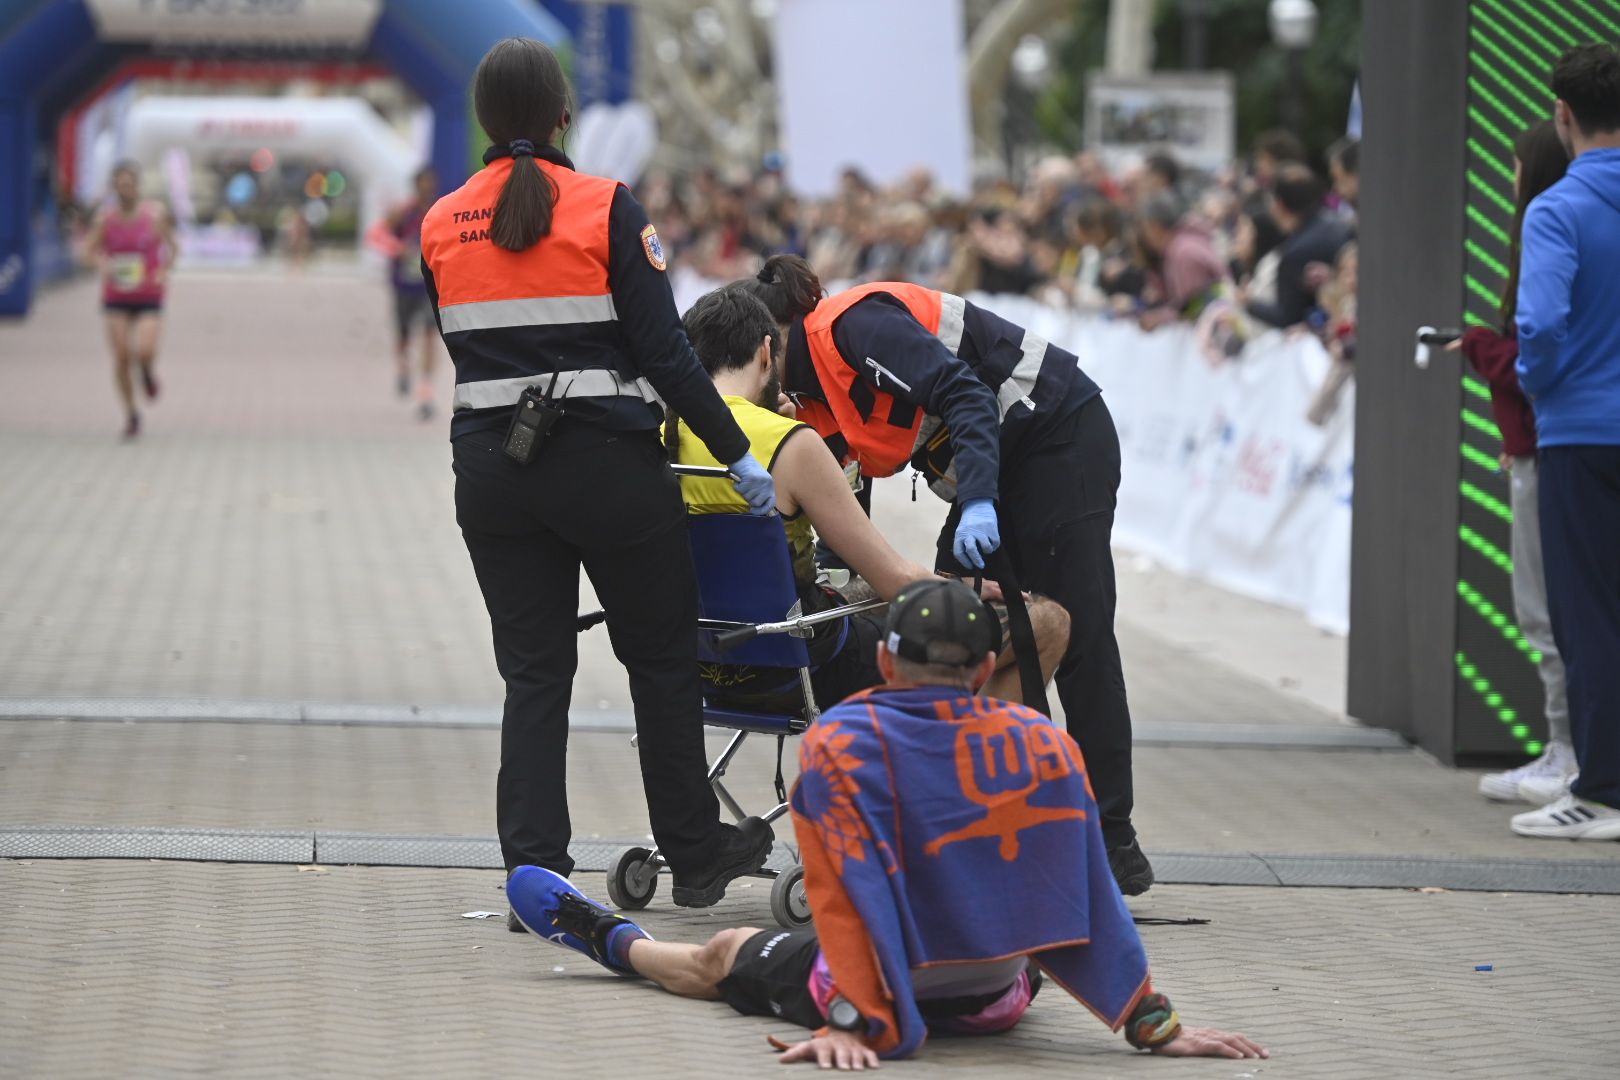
pixel 1512 45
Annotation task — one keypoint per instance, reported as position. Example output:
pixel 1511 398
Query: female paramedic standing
pixel 1007 428
pixel 550 293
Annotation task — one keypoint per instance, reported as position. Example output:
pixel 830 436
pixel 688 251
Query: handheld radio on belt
pixel 532 421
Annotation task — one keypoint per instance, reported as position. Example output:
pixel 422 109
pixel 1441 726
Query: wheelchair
pixel 751 614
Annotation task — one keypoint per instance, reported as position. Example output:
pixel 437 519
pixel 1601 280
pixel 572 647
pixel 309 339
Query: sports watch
pixel 842 1015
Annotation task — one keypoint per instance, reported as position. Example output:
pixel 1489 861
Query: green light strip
pixel 1475 387
pixel 1525 28
pixel 1482 459
pixel 1489 227
pixel 1493 700
pixel 1476 320
pixel 1591 32
pixel 1502 201
pixel 1501 80
pixel 1559 31
pixel 1517 40
pixel 1497 618
pixel 1498 558
pixel 1491 263
pixel 1486 501
pixel 1534 76
pixel 1481 424
pixel 1600 17
pixel 1480 289
pixel 1481 154
pixel 1517 122
pixel 1490 128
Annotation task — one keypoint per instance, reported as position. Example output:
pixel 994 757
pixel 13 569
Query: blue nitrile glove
pixel 977 534
pixel 754 484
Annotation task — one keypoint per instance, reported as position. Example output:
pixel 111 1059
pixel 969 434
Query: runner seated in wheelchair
pixel 739 345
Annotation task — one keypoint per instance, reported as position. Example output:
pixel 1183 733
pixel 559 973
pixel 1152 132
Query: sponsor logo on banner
pixel 249 22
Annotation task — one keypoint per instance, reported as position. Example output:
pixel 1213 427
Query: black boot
pixel 1131 869
pixel 743 850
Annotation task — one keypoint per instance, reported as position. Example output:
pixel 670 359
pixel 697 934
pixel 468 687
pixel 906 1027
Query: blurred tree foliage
pixel 1239 40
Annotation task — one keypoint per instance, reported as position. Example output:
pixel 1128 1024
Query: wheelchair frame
pixel 633 874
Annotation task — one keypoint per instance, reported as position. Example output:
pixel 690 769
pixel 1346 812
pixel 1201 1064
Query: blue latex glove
pixel 754 484
pixel 978 533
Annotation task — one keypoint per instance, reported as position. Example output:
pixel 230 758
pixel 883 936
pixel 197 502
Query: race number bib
pixel 127 271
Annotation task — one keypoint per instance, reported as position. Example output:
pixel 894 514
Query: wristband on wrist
pixel 1153 1022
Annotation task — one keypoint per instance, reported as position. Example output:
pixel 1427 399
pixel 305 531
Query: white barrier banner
pixel 1223 477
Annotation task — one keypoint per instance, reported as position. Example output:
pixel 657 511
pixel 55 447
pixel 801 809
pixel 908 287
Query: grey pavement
pixel 262 620
pixel 170 969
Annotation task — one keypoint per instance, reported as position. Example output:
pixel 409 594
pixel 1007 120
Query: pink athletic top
pixel 134 248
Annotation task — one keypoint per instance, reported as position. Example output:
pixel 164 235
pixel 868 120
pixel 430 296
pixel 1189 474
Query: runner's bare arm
pixel 808 479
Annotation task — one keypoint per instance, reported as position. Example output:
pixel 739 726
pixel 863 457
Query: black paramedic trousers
pixel 1580 545
pixel 605 500
pixel 1057 519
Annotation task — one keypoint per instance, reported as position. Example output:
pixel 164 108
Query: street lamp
pixel 1293 27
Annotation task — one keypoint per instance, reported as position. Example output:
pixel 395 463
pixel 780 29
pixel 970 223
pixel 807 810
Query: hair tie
pixel 765 276
pixel 520 148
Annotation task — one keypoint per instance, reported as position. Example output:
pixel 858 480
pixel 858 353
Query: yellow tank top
pixel 766 432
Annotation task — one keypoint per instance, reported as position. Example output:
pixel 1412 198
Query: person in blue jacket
pixel 1569 365
pixel 1008 429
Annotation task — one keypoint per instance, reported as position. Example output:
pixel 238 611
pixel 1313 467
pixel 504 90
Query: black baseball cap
pixel 934 621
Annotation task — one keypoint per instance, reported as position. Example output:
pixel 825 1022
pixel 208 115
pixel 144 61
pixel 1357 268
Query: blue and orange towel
pixel 993 849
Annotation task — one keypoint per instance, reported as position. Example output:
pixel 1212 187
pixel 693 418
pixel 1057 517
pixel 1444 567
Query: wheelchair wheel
pixel 621 880
pixel 789 904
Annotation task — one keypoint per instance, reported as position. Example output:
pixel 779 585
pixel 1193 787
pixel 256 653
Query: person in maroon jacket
pixel 1539 162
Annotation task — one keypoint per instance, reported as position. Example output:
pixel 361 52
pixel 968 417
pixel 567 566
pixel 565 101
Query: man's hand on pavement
pixel 1208 1042
pixel 833 1050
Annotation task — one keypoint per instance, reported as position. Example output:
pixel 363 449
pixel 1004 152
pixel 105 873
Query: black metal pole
pixel 1293 104
pixel 1195 34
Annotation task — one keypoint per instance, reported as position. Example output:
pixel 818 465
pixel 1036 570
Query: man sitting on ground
pixel 952 857
pixel 736 339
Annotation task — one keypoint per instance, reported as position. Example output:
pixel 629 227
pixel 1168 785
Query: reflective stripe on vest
pixel 593 382
pixel 881 430
pixel 528 311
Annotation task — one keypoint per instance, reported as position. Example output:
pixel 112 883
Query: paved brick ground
pixel 171 969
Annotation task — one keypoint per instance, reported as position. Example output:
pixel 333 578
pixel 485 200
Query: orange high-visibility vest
pixel 881 437
pixel 513 318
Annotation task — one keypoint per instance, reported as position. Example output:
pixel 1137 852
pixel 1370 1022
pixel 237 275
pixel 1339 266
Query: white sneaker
pixel 1538 783
pixel 1570 818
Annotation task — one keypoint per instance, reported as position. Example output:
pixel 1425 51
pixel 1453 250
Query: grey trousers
pixel 1530 595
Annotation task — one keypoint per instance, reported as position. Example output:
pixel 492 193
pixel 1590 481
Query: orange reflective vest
pixel 511 319
pixel 880 430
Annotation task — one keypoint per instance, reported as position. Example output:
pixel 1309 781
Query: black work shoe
pixel 1131 869
pixel 514 924
pixel 743 850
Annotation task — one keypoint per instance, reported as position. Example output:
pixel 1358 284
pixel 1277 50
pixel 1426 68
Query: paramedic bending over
pixel 545 278
pixel 1015 436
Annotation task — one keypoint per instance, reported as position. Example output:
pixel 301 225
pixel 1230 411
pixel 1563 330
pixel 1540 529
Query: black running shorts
pixel 771 977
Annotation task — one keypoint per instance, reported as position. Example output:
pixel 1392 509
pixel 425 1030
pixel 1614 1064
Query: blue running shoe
pixel 551 907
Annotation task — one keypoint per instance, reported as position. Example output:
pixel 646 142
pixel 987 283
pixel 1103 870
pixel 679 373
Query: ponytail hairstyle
pixel 789 286
pixel 522 97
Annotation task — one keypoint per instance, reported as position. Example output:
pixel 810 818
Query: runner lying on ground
pixel 953 859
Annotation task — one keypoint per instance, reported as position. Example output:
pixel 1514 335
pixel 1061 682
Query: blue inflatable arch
pixel 50 55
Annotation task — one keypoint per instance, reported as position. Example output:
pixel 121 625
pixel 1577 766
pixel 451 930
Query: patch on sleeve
pixel 654 249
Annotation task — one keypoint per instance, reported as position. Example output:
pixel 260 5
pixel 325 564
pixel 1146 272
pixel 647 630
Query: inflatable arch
pixel 53 51
pixel 345 130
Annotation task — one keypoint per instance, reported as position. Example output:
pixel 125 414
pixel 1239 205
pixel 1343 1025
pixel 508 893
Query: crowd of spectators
pixel 1268 242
